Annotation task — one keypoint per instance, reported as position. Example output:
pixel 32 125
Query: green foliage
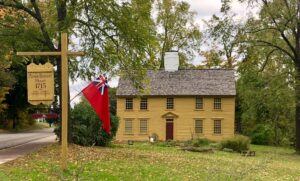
pixel 200 142
pixel 168 143
pixel 237 143
pixel 87 128
pixel 112 101
pixel 266 97
pixel 261 135
pixel 223 33
pixel 178 31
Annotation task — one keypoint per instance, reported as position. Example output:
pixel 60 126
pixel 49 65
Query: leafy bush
pixel 261 135
pixel 168 143
pixel 201 142
pixel 237 143
pixel 87 128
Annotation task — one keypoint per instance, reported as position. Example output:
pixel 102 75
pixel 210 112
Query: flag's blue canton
pixel 100 85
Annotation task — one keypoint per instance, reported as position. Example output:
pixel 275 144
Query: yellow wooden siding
pixel 184 124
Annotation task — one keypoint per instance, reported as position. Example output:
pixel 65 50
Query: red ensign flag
pixel 97 94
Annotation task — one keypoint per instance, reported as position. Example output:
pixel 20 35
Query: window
pixel 128 126
pixel 144 104
pixel 217 127
pixel 170 103
pixel 217 103
pixel 199 103
pixel 143 126
pixel 199 126
pixel 129 104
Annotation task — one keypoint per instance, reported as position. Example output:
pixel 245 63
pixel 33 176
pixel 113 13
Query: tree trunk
pixel 297 89
pixel 61 18
pixel 276 131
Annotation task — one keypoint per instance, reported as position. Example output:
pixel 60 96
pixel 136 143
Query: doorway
pixel 169 129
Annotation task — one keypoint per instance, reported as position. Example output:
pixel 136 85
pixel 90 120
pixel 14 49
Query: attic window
pixel 129 104
pixel 170 103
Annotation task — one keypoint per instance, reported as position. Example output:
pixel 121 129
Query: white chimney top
pixel 171 61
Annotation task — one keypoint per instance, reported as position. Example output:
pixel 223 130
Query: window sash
pixel 129 104
pixel 144 104
pixel 143 126
pixel 217 103
pixel 199 103
pixel 128 126
pixel 170 103
pixel 198 126
pixel 217 127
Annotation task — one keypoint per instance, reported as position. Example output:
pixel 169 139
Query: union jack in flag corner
pixel 97 95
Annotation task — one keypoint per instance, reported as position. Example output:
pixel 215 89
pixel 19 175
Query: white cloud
pixel 205 9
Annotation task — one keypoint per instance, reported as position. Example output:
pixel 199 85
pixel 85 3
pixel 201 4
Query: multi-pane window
pixel 128 126
pixel 129 104
pixel 217 103
pixel 217 127
pixel 143 126
pixel 199 103
pixel 199 126
pixel 170 103
pixel 144 104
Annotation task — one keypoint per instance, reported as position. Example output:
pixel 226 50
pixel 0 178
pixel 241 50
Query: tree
pixel 222 33
pixel 281 20
pixel 107 29
pixel 177 30
pixel 6 79
pixel 266 99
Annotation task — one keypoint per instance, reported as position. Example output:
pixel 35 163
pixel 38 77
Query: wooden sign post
pixel 64 81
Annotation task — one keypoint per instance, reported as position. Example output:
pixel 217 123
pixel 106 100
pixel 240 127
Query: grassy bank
pixel 38 125
pixel 142 161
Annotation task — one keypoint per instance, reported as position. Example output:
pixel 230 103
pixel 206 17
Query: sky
pixel 204 9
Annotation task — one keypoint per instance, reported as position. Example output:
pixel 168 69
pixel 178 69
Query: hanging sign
pixel 40 83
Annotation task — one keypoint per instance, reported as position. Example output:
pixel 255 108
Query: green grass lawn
pixel 142 161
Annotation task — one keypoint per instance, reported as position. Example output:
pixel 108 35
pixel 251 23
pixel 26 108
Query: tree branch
pixel 265 43
pixel 18 6
pixel 279 29
pixel 41 22
pixel 267 60
pixel 111 37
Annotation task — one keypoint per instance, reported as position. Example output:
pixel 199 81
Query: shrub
pixel 87 128
pixel 201 142
pixel 261 135
pixel 167 143
pixel 237 143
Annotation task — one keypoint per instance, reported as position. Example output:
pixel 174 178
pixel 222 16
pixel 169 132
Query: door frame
pixel 169 121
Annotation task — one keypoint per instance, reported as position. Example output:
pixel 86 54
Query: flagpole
pixel 75 96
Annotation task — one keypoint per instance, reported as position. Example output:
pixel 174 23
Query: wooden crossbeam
pixel 64 98
pixel 48 53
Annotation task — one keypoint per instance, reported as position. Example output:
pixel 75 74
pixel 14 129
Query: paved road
pixel 13 145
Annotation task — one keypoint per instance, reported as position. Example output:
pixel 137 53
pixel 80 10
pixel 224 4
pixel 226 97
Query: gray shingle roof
pixel 209 82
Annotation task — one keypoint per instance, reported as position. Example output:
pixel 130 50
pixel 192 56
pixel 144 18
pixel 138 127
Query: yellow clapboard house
pixel 178 104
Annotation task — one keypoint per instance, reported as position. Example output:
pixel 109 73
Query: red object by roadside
pixel 97 94
pixel 46 115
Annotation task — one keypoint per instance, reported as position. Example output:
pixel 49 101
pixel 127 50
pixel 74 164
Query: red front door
pixel 169 129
